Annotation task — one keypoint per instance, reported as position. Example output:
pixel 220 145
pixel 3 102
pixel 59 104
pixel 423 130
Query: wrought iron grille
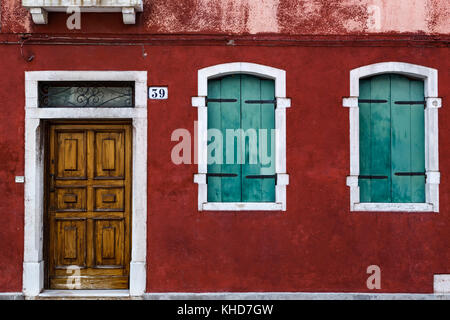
pixel 77 94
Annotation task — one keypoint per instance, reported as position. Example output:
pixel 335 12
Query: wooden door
pixel 88 205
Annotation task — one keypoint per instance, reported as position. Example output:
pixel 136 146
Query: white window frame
pixel 433 103
pixel 33 261
pixel 279 76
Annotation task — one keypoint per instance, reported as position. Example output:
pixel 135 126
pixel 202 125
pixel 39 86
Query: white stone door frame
pixel 33 263
pixel 433 103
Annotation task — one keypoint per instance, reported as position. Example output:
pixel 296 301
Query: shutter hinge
pixel 220 175
pixel 409 173
pixel 372 177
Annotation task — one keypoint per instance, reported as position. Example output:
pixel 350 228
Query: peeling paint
pixel 263 16
pixel 438 16
pixel 292 17
pixel 230 16
pixel 14 18
pixel 323 17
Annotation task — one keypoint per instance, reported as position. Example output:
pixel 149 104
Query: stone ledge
pixel 11 296
pixel 110 295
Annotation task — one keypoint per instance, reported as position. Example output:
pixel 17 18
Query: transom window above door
pixel 241 134
pixel 81 94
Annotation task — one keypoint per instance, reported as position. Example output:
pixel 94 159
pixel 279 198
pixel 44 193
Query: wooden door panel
pixel 70 199
pixel 109 199
pixel 109 155
pixel 88 205
pixel 109 239
pixel 70 243
pixel 71 155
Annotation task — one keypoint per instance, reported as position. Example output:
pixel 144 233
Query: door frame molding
pixel 33 260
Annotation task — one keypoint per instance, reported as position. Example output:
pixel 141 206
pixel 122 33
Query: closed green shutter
pixel 242 102
pixel 392 140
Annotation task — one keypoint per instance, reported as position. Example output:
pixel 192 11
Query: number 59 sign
pixel 158 93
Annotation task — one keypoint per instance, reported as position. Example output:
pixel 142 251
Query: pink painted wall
pixel 267 16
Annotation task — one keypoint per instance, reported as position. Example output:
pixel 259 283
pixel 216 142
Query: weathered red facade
pixel 317 245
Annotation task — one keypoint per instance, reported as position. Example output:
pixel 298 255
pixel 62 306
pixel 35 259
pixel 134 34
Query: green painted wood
pixel 401 139
pixel 380 139
pixel 245 121
pixel 364 140
pixel 251 123
pixel 392 140
pixel 417 141
pixel 267 123
pixel 231 120
pixel 214 121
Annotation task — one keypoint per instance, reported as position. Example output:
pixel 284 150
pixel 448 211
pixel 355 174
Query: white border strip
pixel 33 265
pixel 237 296
pixel 433 103
pixel 280 126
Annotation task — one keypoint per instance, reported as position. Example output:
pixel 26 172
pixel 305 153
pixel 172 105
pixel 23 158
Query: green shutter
pixel 247 185
pixel 364 141
pixel 214 121
pixel 268 124
pixel 392 140
pixel 417 141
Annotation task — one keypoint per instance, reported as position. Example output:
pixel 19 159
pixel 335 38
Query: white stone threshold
pixel 124 294
pixel 83 295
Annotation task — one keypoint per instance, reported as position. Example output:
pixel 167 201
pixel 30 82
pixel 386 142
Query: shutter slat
pixel 380 139
pixel 401 140
pixel 364 140
pixel 267 123
pixel 251 119
pixel 214 122
pixel 231 120
pixel 417 142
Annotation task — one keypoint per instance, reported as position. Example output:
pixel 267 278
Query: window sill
pixel 393 207
pixel 39 9
pixel 242 206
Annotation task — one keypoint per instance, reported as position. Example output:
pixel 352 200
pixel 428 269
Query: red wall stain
pixel 321 16
pixel 316 245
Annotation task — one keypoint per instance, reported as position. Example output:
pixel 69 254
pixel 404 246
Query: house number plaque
pixel 158 93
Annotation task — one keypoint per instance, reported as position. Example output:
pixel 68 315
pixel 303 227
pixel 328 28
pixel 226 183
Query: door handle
pixel 52 182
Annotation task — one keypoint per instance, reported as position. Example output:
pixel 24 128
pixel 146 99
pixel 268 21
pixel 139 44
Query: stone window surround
pixel 433 103
pixel 279 76
pixel 33 263
pixel 39 8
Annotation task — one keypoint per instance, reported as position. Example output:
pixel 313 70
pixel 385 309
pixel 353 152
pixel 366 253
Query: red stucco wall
pixel 316 245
